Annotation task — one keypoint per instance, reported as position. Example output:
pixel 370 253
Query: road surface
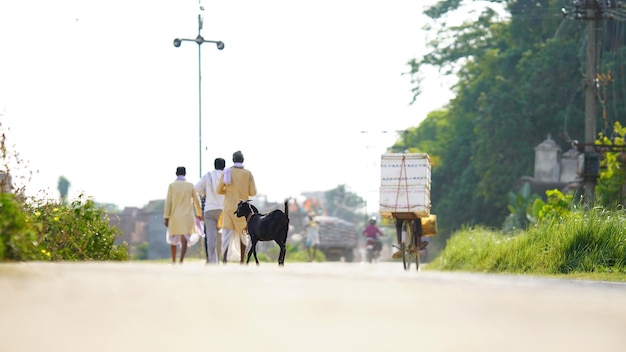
pixel 302 307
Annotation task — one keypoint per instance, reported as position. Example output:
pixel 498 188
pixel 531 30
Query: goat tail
pixel 287 207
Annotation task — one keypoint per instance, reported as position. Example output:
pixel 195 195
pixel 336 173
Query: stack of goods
pixel 335 231
pixel 405 185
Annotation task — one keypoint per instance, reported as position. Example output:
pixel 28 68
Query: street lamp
pixel 199 40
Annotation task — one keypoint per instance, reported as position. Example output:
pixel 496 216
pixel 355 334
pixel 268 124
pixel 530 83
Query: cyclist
pixel 401 228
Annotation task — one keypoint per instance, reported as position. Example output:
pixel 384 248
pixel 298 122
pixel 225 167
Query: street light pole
pixel 199 40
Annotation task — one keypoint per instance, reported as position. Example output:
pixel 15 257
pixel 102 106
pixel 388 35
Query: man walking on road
pixel 182 207
pixel 235 184
pixel 213 205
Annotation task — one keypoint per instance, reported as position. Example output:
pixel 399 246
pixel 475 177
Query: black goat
pixel 272 226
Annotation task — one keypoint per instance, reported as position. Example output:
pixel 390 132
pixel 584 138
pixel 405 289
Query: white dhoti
pixel 192 239
pixel 231 245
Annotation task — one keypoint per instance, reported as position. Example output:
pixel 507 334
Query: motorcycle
pixel 373 246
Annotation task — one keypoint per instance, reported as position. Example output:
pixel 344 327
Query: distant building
pixel 554 170
pixel 143 226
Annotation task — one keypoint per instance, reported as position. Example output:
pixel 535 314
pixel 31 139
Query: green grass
pixel 590 246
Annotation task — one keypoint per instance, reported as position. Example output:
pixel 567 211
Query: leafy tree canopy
pixel 520 67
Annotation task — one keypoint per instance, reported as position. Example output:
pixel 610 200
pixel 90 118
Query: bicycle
pixel 409 241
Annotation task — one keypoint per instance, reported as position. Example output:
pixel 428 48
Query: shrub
pixel 18 233
pixel 78 231
pixel 32 229
pixel 592 241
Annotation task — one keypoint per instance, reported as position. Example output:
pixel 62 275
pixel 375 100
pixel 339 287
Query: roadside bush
pixel 78 231
pixel 36 229
pixel 582 242
pixel 18 233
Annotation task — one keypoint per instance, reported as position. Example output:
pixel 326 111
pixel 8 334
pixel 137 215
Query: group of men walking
pixel 222 188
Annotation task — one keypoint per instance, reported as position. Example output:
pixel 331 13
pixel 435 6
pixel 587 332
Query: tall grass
pixel 593 241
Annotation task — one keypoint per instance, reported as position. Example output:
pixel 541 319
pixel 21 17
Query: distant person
pixel 236 183
pixel 372 231
pixel 401 232
pixel 312 228
pixel 213 205
pixel 182 208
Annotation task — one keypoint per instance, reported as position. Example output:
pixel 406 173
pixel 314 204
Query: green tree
pixel 611 184
pixel 519 79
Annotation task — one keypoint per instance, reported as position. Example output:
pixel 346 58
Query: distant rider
pixel 372 231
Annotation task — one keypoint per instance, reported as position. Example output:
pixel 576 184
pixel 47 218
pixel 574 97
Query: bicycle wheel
pixel 406 257
pixel 412 245
pixel 405 246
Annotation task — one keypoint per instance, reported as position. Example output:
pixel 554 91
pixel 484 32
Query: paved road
pixel 302 307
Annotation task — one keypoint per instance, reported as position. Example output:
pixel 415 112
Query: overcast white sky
pixel 96 92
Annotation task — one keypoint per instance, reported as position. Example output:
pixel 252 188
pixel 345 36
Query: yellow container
pixel 429 225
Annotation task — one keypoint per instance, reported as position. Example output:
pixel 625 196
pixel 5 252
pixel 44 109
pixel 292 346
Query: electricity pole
pixel 592 11
pixel 590 176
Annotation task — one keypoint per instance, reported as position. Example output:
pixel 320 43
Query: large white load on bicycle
pixel 405 185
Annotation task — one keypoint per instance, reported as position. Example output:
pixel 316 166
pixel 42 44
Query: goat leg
pixel 281 256
pixel 253 251
pixel 249 254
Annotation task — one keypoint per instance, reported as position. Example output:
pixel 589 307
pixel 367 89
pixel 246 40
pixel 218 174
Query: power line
pixel 594 10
